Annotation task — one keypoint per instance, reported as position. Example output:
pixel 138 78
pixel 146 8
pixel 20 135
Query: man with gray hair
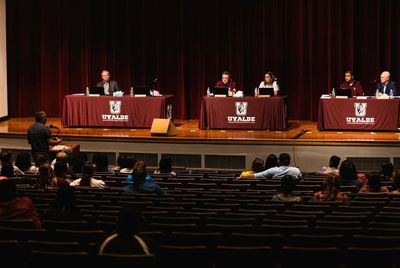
pixel 386 86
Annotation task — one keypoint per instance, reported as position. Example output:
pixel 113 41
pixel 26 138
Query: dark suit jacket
pixel 113 86
pixel 389 85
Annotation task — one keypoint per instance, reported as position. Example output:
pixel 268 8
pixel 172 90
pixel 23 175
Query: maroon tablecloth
pixel 358 114
pixel 107 111
pixel 243 113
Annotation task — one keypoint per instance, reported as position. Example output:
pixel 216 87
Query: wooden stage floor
pixel 189 132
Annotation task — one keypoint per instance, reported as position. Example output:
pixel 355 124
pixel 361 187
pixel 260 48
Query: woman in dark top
pixel 64 207
pixel 140 184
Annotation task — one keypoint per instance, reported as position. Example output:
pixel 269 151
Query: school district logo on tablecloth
pixel 360 109
pixel 241 108
pixel 115 107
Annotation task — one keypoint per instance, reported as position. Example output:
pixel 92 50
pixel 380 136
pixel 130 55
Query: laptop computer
pixel 220 91
pixel 343 92
pixel 266 91
pixel 96 90
pixel 142 90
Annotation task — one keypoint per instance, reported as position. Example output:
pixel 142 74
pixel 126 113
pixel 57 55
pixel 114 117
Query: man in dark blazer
pixel 110 86
pixel 386 85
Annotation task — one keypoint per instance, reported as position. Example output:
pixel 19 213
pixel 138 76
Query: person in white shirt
pixel 277 173
pixel 270 82
pixel 87 178
pixel 334 162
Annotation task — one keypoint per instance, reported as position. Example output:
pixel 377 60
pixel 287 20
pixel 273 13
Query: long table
pixel 359 114
pixel 108 111
pixel 243 113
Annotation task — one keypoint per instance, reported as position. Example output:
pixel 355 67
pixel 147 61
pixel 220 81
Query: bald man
pixel 386 85
pixel 110 86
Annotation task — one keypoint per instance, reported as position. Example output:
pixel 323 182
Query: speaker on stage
pixel 163 127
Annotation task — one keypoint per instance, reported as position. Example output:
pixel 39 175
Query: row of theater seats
pixel 214 227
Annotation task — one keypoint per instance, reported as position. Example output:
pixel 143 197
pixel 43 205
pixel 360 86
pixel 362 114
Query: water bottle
pixel 333 93
pixel 256 92
pixel 131 92
pixel 377 92
pixel 87 91
pixel 208 91
pixel 391 93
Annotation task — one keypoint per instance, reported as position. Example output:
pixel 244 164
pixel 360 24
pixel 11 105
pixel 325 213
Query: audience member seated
pixel 396 182
pixel 387 171
pixel 288 184
pixel 257 165
pixel 64 207
pixel 374 185
pixel 23 162
pixel 13 207
pixel 331 190
pixel 39 160
pixel 60 156
pixel 61 177
pixel 7 171
pixel 100 161
pixel 140 183
pixel 165 166
pixel 46 176
pixel 334 162
pixel 127 165
pixel 348 175
pixel 127 239
pixel 77 165
pixel 278 172
pixel 87 178
pixel 6 158
pixel 271 161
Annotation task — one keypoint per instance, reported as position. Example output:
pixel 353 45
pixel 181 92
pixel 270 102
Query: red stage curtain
pixel 60 47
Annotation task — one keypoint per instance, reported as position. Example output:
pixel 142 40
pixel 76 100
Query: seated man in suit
pixel 354 85
pixel 386 86
pixel 110 86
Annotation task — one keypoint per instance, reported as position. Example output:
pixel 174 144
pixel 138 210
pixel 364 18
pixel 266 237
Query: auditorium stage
pixel 309 147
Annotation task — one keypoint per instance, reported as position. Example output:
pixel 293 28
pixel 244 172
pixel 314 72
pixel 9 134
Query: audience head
pixel 284 159
pixel 334 161
pixel 41 117
pixel 23 161
pixel 78 162
pixel 348 170
pixel 257 165
pixel 396 179
pixel 139 173
pixel 101 162
pixel 87 174
pixel 40 159
pixel 60 169
pixel 8 190
pixel 288 184
pixel 46 175
pixel 374 182
pixel 271 161
pixel 331 187
pixel 387 170
pixel 130 222
pixel 62 156
pixel 165 164
pixel 7 170
pixel 6 157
